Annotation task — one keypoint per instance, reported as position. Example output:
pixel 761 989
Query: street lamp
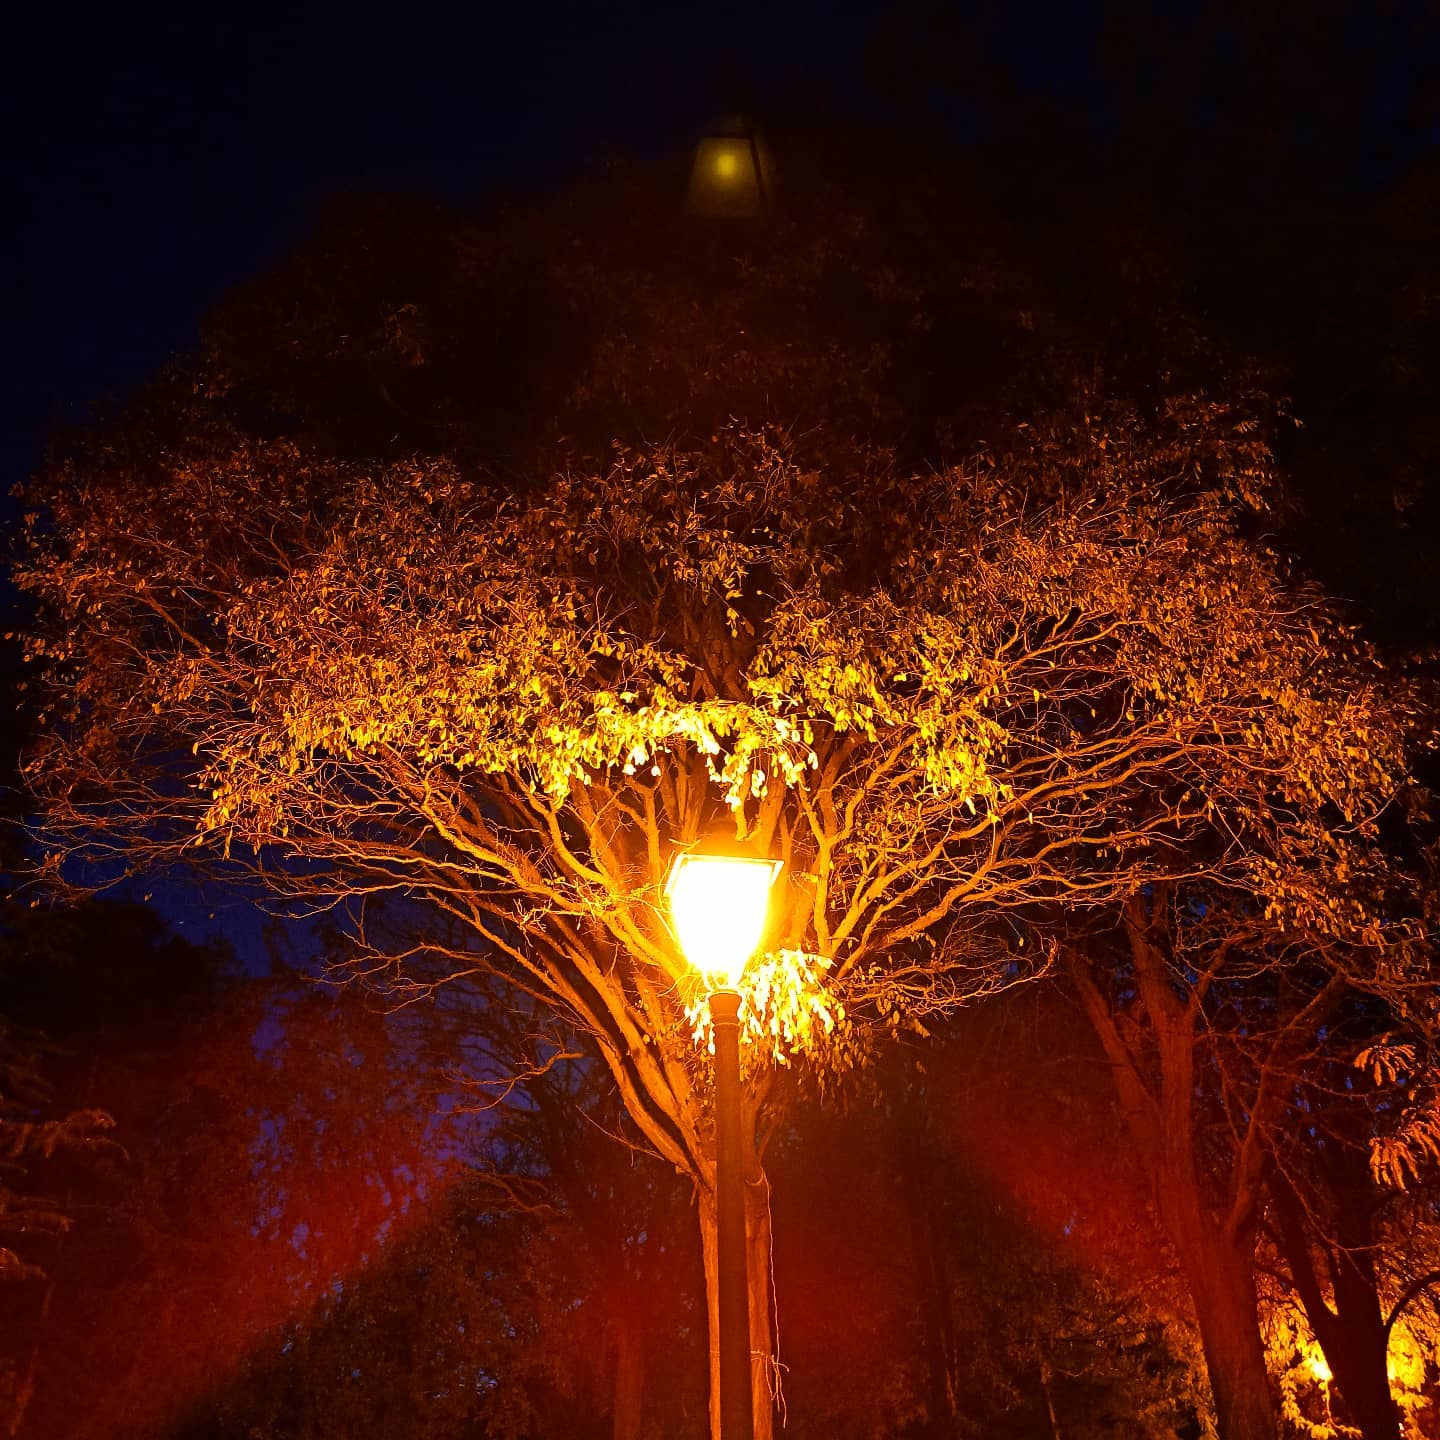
pixel 732 175
pixel 718 908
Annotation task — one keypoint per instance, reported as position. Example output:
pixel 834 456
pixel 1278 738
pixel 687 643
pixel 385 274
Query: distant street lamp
pixel 733 174
pixel 718 907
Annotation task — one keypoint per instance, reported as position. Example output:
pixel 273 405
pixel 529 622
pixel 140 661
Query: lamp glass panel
pixel 718 907
pixel 723 180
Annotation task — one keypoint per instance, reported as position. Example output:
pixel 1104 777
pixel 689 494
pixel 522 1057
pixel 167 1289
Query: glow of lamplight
pixel 718 908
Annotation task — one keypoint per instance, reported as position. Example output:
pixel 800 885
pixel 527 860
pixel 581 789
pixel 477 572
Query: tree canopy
pixel 1061 666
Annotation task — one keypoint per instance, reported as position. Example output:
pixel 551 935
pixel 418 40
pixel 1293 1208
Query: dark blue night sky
pixel 157 161
pixel 155 158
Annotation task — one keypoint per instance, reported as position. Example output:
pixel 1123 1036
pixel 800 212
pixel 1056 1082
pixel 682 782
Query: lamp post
pixel 718 907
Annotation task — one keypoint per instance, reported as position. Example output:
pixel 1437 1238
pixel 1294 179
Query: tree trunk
pixel 1353 1335
pixel 1363 1383
pixel 764 1371
pixel 1049 1401
pixel 1217 1255
pixel 629 1380
pixel 929 1257
pixel 1359 1361
pixel 25 1392
pixel 1222 1286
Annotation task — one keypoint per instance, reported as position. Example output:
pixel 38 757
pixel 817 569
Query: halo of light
pixel 718 908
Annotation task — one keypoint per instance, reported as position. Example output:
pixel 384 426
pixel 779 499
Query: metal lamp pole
pixel 718 908
pixel 736 1416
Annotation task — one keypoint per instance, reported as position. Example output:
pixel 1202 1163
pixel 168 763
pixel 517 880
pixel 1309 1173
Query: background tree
pixel 1210 1029
pixel 1284 171
pixel 524 1301
pixel 1325 1216
pixel 613 1228
pixel 68 1117
pixel 35 1122
pixel 997 1264
pixel 272 1146
pixel 1078 1314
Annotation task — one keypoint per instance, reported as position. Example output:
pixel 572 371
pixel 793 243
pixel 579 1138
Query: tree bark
pixel 1222 1286
pixel 25 1392
pixel 1217 1255
pixel 1353 1335
pixel 629 1380
pixel 759 1242
pixel 1049 1401
pixel 929 1257
pixel 710 1253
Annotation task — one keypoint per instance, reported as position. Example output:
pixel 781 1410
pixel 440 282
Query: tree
pixel 607 1226
pixel 275 1142
pixel 956 703
pixel 35 1124
pixel 70 979
pixel 32 1136
pixel 1352 1196
pixel 521 1293
pixel 989 1271
pixel 1077 1310
pixel 1213 1018
pixel 1330 1246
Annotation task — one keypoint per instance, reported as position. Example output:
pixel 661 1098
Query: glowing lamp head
pixel 732 174
pixel 718 908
